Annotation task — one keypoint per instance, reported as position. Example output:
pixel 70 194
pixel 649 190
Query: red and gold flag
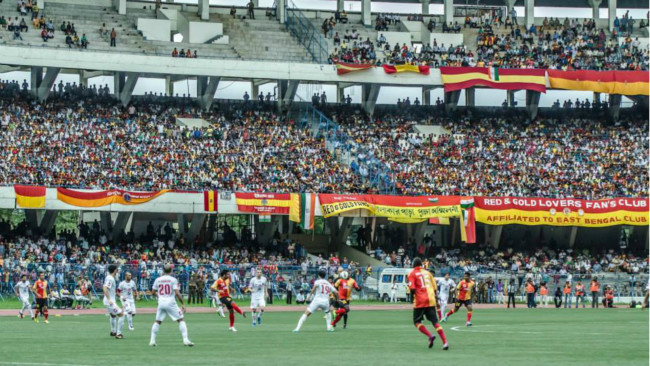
pixel 393 69
pixel 210 201
pixel 610 82
pixel 30 196
pixel 343 68
pixel 458 78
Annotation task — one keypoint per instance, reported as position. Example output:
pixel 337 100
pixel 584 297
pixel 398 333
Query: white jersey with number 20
pixel 165 286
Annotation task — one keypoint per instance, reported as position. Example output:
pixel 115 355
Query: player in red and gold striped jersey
pixel 344 285
pixel 424 293
pixel 464 290
pixel 222 286
pixel 40 290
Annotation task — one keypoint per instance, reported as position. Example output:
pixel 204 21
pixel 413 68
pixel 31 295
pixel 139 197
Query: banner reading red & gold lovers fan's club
pixel 335 204
pixel 561 212
pixel 103 198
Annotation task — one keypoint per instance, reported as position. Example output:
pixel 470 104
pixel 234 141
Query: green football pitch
pixel 383 337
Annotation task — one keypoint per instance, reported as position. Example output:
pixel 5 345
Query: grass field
pixel 498 337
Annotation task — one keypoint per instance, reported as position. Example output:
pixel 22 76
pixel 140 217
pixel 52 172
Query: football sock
pixel 469 316
pixel 439 314
pixel 154 332
pixel 302 321
pixel 449 313
pixel 183 328
pixel 46 313
pixel 328 319
pixel 345 318
pixel 120 324
pixel 441 332
pixel 113 324
pixel 336 320
pixel 129 318
pixel 237 309
pixel 232 318
pixel 423 329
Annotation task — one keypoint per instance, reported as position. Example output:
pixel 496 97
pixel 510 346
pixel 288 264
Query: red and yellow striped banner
pixel 458 78
pixel 264 203
pixel 210 200
pixel 343 68
pixel 610 82
pixel 30 196
pixel 104 198
pixel 393 69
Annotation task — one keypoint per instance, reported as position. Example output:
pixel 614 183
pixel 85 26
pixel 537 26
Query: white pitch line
pixel 472 330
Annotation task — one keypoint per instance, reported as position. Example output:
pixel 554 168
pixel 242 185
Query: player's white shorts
pixel 169 308
pixel 443 302
pixel 257 301
pixel 113 310
pixel 129 306
pixel 319 304
pixel 25 301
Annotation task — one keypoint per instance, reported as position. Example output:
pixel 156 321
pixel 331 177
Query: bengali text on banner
pixel 562 212
pixel 415 209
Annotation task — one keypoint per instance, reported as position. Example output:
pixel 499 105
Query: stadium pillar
pixel 33 218
pixel 509 4
pixel 425 7
pixel 426 96
pixel 596 98
pixel 120 6
pixel 572 236
pixel 366 17
pixel 36 79
pixel 614 106
pixel 339 230
pixel 493 235
pixel 369 94
pixel 182 223
pixel 286 92
pixel 595 12
pixel 280 11
pixel 511 98
pixel 611 6
pixel 529 12
pixel 204 9
pixel 195 227
pixel 120 224
pixel 532 102
pixel 47 221
pixel 451 100
pixel 470 97
pixel 105 221
pixel 169 86
pixel 340 5
pixel 264 231
pixel 449 11
pixel 124 85
pixel 205 90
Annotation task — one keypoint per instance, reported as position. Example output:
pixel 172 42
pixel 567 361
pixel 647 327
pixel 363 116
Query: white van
pixel 400 276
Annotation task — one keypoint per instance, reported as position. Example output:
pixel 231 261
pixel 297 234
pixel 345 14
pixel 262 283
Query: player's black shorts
pixel 41 303
pixel 342 304
pixel 227 301
pixel 420 313
pixel 459 303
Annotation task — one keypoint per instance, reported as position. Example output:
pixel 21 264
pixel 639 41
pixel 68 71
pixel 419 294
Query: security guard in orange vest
pixel 567 294
pixel 594 287
pixel 530 293
pixel 580 294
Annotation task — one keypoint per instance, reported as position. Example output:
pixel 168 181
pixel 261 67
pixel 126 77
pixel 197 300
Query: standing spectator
pixel 580 294
pixel 543 292
pixel 594 287
pixel 513 16
pixel 500 294
pixel 289 292
pixel 530 294
pixel 567 294
pixel 251 9
pixel 512 290
pixel 558 297
pixel 113 37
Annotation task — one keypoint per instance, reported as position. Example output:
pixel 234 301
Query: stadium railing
pixel 300 27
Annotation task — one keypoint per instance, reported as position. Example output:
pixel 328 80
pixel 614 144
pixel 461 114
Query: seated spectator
pixel 344 17
pixel 49 25
pixel 63 27
pixel 181 54
pixel 68 40
pixel 82 301
pixel 44 35
pixel 195 55
pixel 3 23
pixel 75 40
pixel 337 38
pixel 175 52
pixel 233 12
pixel 66 298
pixel 84 41
pixel 23 25
pixel 103 31
pixel 36 23
pixel 54 300
pixel 188 54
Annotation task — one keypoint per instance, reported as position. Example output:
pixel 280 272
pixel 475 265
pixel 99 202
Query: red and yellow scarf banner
pixel 561 212
pixel 457 78
pixel 610 82
pixel 104 198
pixel 343 68
pixel 30 196
pixel 394 69
pixel 264 203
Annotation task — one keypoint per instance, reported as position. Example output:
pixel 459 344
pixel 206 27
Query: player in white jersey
pixel 126 289
pixel 321 300
pixel 444 286
pixel 109 301
pixel 23 289
pixel 259 292
pixel 167 290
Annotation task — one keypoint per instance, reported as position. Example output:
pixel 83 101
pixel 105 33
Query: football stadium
pixel 324 182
